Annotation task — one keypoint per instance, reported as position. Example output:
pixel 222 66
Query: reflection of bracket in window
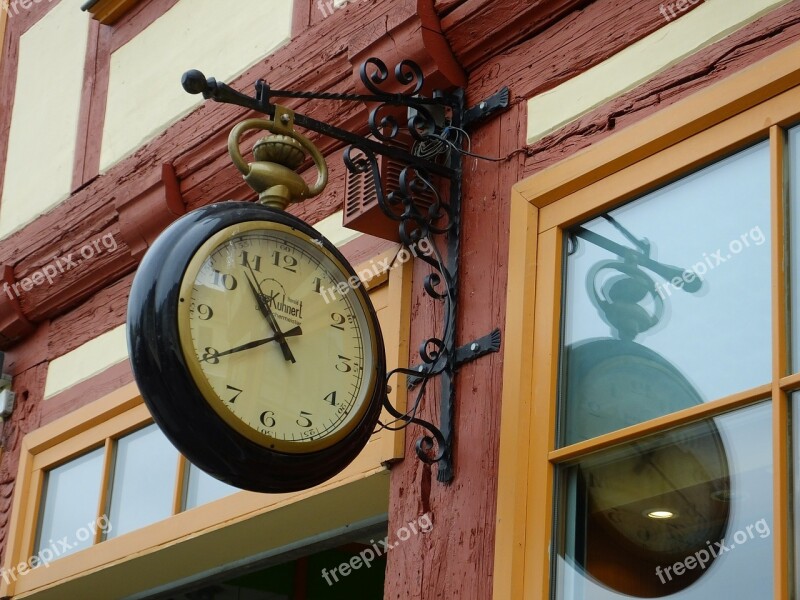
pixel 108 12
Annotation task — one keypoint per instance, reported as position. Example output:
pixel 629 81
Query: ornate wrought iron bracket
pixel 439 120
pixel 464 354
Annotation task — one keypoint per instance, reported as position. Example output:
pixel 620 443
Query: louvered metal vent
pixel 361 210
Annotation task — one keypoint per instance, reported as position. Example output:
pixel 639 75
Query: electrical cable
pixel 435 145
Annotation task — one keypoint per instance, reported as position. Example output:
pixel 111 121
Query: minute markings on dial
pixel 242 258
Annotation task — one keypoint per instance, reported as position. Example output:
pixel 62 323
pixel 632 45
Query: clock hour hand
pixel 254 344
pixel 265 310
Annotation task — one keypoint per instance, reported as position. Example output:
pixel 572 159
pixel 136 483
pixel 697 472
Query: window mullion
pixel 105 488
pixel 780 344
pixel 780 364
pixel 541 488
pixel 180 484
pixel 782 530
pixel 659 424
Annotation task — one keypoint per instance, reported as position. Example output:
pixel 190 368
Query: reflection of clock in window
pixel 651 502
pixel 614 383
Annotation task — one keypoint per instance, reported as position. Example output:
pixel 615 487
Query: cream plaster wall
pixel 87 360
pixel 44 120
pixel 222 39
pixel 331 227
pixel 707 23
pixel 111 348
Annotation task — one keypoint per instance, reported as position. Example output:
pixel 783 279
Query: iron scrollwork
pixel 417 221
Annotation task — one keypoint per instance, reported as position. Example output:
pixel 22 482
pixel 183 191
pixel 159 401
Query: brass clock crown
pixel 272 175
pixel 280 149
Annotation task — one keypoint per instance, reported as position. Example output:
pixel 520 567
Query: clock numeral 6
pixel 344 366
pixel 267 418
pixel 210 356
pixel 304 421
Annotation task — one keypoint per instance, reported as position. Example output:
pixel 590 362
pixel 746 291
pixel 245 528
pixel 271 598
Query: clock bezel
pixel 170 391
pixel 189 280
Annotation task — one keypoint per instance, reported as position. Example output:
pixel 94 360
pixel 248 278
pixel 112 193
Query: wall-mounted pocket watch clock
pixel 254 370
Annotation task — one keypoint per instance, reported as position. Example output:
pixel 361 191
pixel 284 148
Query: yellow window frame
pixel 756 103
pixel 213 534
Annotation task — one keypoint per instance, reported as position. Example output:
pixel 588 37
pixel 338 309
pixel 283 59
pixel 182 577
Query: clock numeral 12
pixel 289 261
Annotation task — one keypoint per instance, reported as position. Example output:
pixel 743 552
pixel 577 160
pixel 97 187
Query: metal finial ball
pixel 280 149
pixel 194 82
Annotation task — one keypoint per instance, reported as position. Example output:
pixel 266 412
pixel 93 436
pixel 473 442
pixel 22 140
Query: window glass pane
pixel 644 337
pixel 685 514
pixel 794 217
pixel 70 501
pixel 202 488
pixel 144 480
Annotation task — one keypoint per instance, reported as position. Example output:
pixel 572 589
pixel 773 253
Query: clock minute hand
pixel 254 344
pixel 265 310
pixel 279 335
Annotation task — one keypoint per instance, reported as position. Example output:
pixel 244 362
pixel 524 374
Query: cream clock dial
pixel 279 349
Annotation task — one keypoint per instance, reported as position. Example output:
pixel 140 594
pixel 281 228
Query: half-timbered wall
pixel 98 141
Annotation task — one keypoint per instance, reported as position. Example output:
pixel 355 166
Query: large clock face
pixel 252 351
pixel 275 338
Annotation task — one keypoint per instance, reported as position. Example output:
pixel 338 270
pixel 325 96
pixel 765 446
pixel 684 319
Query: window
pixel 693 283
pixel 143 484
pixel 105 481
pixel 687 512
pixel 202 488
pixel 667 306
pixel 71 494
pixel 84 506
pixel 651 355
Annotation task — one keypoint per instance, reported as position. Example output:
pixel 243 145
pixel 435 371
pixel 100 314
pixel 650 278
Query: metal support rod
pixel 195 82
